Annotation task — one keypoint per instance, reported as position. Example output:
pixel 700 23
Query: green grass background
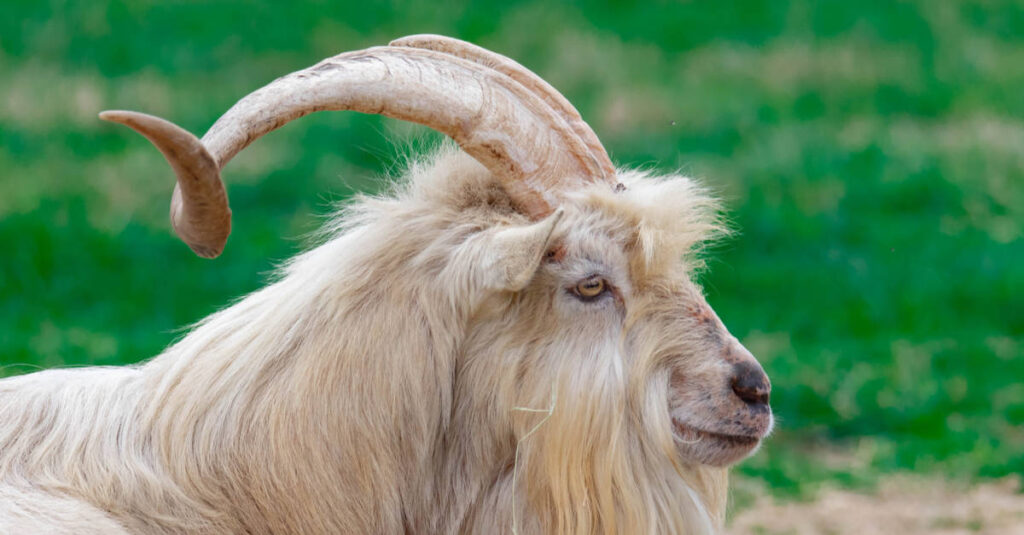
pixel 871 154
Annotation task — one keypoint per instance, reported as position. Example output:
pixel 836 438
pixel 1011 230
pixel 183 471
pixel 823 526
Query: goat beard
pixel 591 458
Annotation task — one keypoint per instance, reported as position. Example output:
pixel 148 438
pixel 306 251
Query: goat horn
pixel 495 119
pixel 600 164
pixel 199 207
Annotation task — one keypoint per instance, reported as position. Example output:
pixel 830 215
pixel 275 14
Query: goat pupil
pixel 590 289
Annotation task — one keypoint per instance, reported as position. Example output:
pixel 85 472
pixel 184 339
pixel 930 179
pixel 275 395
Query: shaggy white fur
pixel 376 385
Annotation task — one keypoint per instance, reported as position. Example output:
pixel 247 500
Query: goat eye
pixel 590 288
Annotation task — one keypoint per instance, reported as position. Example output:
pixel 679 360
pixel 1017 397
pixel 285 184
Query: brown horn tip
pixel 199 207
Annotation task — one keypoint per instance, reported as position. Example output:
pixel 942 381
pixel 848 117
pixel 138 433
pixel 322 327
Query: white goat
pixel 512 342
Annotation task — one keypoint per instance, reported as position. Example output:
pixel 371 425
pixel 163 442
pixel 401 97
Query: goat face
pixel 614 337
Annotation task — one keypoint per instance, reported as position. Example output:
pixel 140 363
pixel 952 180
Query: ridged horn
pixel 199 206
pixel 508 128
pixel 600 163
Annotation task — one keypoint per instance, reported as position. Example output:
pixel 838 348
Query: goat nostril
pixel 750 395
pixel 751 384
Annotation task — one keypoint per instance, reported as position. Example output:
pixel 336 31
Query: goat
pixel 511 341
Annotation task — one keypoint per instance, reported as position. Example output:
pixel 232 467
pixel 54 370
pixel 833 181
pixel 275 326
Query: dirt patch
pixel 902 505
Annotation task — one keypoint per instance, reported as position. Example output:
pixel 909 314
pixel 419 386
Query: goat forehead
pixel 586 237
pixel 593 241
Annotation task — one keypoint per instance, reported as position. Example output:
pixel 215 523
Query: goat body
pixel 443 362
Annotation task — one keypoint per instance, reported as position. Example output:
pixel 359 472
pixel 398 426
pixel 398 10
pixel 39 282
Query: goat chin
pixel 372 388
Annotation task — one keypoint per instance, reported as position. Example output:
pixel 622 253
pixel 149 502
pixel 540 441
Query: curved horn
pixel 199 206
pixel 496 120
pixel 600 161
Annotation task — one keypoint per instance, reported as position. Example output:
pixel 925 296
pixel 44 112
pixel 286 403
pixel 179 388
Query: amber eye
pixel 590 288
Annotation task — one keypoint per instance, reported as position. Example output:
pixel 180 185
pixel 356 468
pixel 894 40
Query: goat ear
pixel 514 254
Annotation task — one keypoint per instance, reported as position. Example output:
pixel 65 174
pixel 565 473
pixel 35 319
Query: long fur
pixel 374 387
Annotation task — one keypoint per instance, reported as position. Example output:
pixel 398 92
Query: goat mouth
pixel 689 434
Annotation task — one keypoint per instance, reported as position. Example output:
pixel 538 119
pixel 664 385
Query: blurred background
pixel 871 154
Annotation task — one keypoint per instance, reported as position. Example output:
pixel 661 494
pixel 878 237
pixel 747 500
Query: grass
pixel 871 153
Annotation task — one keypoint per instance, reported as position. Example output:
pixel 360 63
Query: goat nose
pixel 750 383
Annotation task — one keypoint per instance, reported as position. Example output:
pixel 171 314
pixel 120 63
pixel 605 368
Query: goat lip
pixel 686 433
